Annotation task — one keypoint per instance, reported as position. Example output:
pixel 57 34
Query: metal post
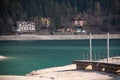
pixel 98 57
pixel 95 57
pixel 112 58
pixel 107 47
pixel 83 57
pixel 90 47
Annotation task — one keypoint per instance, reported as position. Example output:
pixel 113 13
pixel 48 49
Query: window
pixel 20 25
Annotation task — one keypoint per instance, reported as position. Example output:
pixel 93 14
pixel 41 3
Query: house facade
pixel 45 22
pixel 26 26
pixel 78 21
pixel 78 25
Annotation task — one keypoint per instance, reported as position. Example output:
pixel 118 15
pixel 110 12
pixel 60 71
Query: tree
pixel 97 9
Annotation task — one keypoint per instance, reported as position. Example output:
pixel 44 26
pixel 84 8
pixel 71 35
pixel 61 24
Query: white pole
pixel 107 47
pixel 90 47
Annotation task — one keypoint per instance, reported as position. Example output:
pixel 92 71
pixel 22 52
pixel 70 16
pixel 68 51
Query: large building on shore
pixel 25 26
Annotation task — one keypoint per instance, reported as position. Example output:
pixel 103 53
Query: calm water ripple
pixel 27 56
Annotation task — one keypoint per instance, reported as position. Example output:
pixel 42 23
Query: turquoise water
pixel 26 56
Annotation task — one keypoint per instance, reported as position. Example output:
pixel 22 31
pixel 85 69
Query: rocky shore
pixel 57 37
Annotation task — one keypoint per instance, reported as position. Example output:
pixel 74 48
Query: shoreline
pixel 57 37
pixel 67 72
pixel 3 57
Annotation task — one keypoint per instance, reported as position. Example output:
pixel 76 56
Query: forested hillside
pixel 100 15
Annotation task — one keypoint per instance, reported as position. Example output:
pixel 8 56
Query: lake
pixel 26 56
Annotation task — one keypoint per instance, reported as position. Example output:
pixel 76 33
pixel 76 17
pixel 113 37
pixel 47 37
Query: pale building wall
pixel 78 22
pixel 25 26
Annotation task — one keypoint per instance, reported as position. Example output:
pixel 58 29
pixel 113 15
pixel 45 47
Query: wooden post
pixel 107 47
pixel 90 47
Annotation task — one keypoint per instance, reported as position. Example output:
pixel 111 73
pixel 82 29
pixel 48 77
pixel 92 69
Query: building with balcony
pixel 25 26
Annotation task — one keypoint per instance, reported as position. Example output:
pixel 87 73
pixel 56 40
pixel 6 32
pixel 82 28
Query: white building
pixel 25 26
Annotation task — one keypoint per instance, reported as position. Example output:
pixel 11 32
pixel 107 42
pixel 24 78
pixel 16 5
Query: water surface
pixel 26 56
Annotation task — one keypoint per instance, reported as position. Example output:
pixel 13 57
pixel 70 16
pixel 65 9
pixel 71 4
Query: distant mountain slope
pixel 100 15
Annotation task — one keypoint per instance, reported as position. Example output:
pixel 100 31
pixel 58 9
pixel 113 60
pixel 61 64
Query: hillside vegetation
pixel 99 15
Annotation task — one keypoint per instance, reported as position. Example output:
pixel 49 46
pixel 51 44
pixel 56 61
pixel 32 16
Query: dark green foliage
pixel 104 12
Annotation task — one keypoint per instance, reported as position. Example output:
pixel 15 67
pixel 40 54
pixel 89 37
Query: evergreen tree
pixel 60 11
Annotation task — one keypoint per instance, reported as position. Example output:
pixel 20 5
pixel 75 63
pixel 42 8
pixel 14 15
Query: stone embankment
pixel 57 37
